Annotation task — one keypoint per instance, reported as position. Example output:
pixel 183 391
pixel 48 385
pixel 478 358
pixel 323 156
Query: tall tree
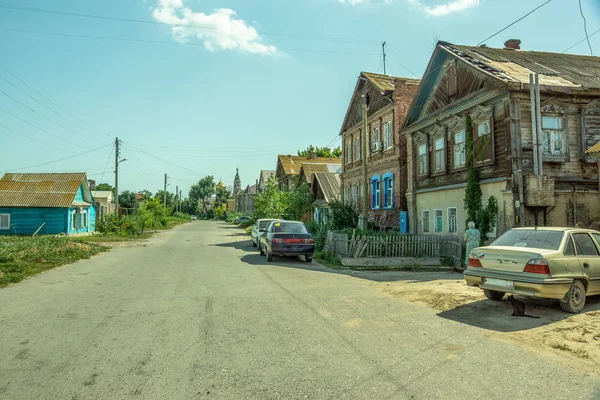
pixel 170 198
pixel 105 187
pixel 202 190
pixel 320 152
pixel 222 196
pixel 127 201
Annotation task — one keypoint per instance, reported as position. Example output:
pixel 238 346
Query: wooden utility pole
pixel 176 198
pixel 384 56
pixel 117 176
pixel 365 188
pixel 165 193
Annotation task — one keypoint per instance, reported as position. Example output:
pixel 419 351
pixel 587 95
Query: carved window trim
pixel 555 108
pixel 438 132
pixel 591 109
pixel 420 139
pixel 456 125
pixel 481 115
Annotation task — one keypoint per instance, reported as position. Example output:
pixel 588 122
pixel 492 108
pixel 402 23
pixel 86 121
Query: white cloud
pixel 446 8
pixel 221 30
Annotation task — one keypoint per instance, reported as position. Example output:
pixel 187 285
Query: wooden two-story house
pixel 388 99
pixel 537 176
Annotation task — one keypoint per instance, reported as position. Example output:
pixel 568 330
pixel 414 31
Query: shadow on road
pixel 496 315
pixel 287 262
pixel 245 245
pixel 410 277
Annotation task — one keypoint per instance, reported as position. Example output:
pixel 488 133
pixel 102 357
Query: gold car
pixel 554 263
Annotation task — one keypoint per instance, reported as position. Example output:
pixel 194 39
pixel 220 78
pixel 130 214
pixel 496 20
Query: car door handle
pixel 586 265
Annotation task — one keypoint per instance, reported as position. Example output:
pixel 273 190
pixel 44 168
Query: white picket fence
pixel 395 245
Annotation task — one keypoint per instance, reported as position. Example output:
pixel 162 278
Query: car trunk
pixel 508 259
pixel 293 241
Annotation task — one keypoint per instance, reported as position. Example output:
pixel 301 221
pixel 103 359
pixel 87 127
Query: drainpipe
pixel 534 125
pixel 574 206
pixel 539 125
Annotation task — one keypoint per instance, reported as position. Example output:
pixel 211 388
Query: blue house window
pixel 375 192
pixel 4 222
pixel 388 190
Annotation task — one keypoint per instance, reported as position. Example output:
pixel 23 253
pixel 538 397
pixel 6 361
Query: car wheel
pixel 493 295
pixel 262 253
pixel 269 255
pixel 253 243
pixel 575 299
pixel 308 259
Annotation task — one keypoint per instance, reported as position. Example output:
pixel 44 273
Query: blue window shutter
pixel 392 189
pixel 373 193
pixel 385 192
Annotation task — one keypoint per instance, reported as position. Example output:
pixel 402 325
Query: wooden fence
pixel 394 246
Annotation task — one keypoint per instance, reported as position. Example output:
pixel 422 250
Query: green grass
pixel 103 238
pixel 328 259
pixel 21 257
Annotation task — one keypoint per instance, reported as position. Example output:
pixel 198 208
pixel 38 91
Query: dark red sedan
pixel 287 238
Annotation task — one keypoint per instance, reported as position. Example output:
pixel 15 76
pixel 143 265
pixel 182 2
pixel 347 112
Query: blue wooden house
pixel 53 203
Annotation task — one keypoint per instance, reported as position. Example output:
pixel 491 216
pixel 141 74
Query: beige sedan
pixel 548 262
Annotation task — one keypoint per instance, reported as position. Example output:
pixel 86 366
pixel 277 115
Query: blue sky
pixel 265 78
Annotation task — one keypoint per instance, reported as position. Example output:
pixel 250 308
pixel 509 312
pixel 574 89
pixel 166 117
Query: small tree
pixel 320 152
pixel 343 216
pixel 153 212
pixel 273 203
pixel 203 190
pixel 105 187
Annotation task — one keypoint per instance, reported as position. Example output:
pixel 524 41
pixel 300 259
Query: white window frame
pixel 435 227
pixel 388 138
pixel 439 153
pixel 348 199
pixel 388 188
pixel 451 228
pixel 425 227
pixel 376 186
pixel 84 220
pixel 481 123
pixel 551 132
pixel 460 148
pixel 73 224
pixel 375 135
pixel 425 163
pixel 356 195
pixel 7 227
pixel 349 150
pixel 356 149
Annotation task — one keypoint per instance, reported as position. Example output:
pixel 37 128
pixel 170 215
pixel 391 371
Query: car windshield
pixel 534 238
pixel 264 224
pixel 289 227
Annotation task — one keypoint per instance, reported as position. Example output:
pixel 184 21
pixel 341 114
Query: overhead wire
pixel 153 22
pixel 107 162
pixel 512 23
pixel 32 138
pixel 585 28
pixel 164 161
pixel 59 160
pixel 581 41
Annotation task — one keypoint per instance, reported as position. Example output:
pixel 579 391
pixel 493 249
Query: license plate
pixel 500 283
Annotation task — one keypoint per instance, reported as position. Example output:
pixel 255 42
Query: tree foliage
pixel 292 204
pixel 343 216
pixel 320 152
pixel 127 200
pixel 484 216
pixel 105 187
pixel 151 213
pixel 170 198
pixel 203 190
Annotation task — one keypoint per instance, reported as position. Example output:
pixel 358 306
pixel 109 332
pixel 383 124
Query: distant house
pixel 53 203
pixel 244 200
pixel 104 201
pixel 308 170
pixel 326 188
pixel 265 174
pixel 288 168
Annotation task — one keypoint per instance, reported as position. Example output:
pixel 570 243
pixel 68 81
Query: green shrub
pixel 329 259
pixel 248 223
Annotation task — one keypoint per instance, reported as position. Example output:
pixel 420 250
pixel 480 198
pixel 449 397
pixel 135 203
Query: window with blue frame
pixel 388 190
pixel 375 192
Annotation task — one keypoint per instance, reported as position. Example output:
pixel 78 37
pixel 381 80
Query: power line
pixel 107 161
pixel 41 95
pixel 216 151
pixel 143 21
pixel 585 29
pixel 581 41
pixel 32 138
pixel 42 130
pixel 59 160
pixel 164 161
pixel 511 24
pixel 170 42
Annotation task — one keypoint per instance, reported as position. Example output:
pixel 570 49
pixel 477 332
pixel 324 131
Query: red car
pixel 287 238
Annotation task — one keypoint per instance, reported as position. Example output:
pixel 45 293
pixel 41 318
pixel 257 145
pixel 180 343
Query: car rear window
pixel 264 224
pixel 289 227
pixel 534 238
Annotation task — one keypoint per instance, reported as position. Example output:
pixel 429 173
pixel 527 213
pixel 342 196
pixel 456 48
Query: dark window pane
pixel 585 244
pixel 569 248
pixel 533 238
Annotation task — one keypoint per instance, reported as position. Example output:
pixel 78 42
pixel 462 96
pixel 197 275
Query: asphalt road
pixel 198 314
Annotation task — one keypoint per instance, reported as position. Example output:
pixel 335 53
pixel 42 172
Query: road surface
pixel 198 314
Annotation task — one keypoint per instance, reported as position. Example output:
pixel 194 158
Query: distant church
pixel 243 199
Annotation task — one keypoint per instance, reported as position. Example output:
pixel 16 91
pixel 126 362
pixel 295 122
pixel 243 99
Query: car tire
pixel 308 259
pixel 493 294
pixel 575 298
pixel 269 255
pixel 253 243
pixel 262 253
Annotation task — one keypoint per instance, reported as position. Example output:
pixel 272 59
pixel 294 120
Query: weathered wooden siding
pixel 25 221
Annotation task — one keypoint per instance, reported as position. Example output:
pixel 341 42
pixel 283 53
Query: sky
pixel 257 79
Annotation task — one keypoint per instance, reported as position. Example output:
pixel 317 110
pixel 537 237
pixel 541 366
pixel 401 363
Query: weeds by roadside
pixel 21 257
pixel 328 259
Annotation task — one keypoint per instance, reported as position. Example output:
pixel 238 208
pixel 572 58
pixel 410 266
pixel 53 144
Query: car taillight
pixel 277 240
pixel 474 262
pixel 537 266
pixel 308 241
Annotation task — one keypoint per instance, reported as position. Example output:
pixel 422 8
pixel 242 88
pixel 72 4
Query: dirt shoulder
pixel 575 338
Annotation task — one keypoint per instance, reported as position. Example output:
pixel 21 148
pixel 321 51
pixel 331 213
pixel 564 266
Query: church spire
pixel 237 182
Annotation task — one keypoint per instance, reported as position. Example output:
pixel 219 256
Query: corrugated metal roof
pixel 595 149
pixel 40 190
pixel 331 185
pixel 102 194
pixel 557 69
pixel 291 164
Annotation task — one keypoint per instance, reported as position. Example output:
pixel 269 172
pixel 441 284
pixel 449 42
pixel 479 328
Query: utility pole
pixel 177 198
pixel 165 193
pixel 117 176
pixel 180 202
pixel 383 48
pixel 365 188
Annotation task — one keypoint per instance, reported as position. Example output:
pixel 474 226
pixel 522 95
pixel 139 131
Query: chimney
pixel 92 184
pixel 512 44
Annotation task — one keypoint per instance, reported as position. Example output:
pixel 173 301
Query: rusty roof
pixel 291 164
pixel 595 149
pixel 40 190
pixel 385 82
pixel 554 69
pixel 331 185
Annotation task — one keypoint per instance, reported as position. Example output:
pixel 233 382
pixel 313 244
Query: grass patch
pixel 328 259
pixel 108 238
pixel 21 257
pixel 561 346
